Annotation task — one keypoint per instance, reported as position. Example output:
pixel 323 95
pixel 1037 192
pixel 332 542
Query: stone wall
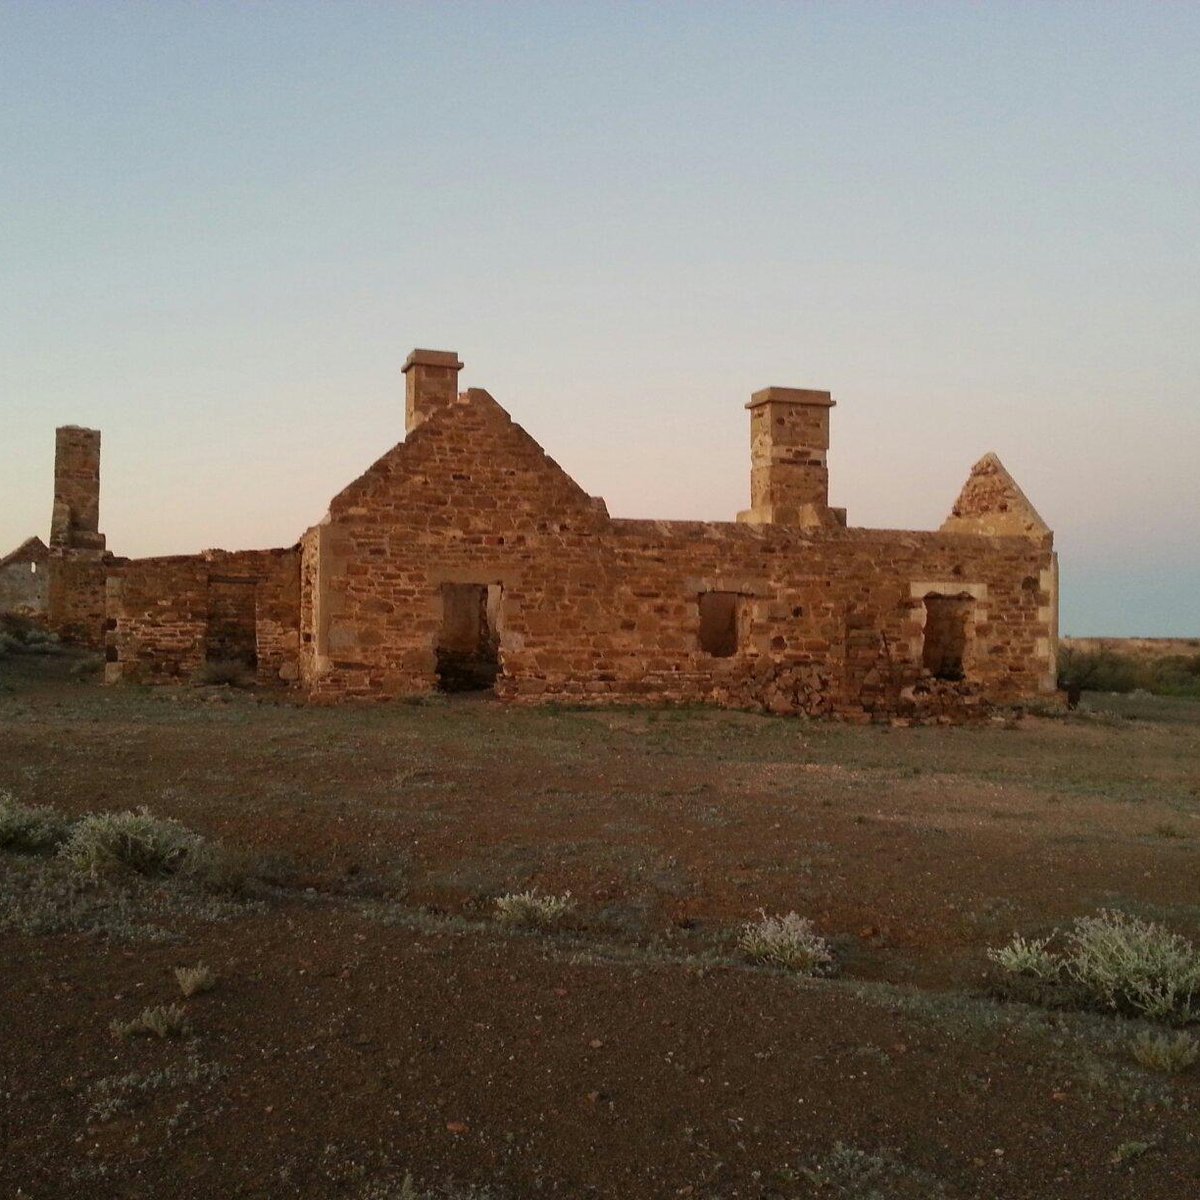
pixel 25 578
pixel 467 555
pixel 603 610
pixel 167 616
pixel 75 607
pixel 75 518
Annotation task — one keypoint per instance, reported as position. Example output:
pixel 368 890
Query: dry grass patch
pixel 1110 962
pixel 790 942
pixel 194 980
pixel 529 910
pixel 1169 1053
pixel 31 829
pixel 160 1021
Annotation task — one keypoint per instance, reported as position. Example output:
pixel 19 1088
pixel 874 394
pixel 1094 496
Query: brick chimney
pixel 789 480
pixel 75 519
pixel 431 384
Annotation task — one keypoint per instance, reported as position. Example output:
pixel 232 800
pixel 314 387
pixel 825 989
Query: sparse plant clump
pixel 197 979
pixel 1110 962
pixel 789 942
pixel 22 635
pixel 404 1188
pixel 855 1174
pixel 161 1021
pixel 31 829
pixel 228 672
pixel 1027 957
pixel 129 841
pixel 117 1095
pixel 42 896
pixel 528 910
pixel 1166 1052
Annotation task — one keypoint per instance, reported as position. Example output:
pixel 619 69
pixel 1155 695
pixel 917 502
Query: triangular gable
pixel 992 505
pixel 30 550
pixel 472 457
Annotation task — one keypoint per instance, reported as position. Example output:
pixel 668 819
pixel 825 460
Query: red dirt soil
pixel 370 1019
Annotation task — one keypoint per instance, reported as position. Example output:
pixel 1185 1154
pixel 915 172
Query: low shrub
pixel 22 635
pixel 194 980
pixel 161 1021
pixel 853 1174
pixel 216 869
pixel 1164 1052
pixel 31 829
pixel 1109 670
pixel 1111 962
pixel 130 841
pixel 528 910
pixel 1029 958
pixel 789 942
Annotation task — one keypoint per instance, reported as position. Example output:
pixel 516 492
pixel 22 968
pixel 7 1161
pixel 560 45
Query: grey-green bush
pixel 30 829
pixel 1110 962
pixel 130 841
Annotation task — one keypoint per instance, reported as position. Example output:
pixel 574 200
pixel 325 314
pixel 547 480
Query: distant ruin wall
pixel 25 579
pixel 166 617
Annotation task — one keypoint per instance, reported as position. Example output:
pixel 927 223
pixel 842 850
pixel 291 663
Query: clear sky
pixel 223 227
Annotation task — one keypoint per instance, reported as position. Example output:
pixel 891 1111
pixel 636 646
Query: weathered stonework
pixel 24 579
pixel 167 617
pixel 465 556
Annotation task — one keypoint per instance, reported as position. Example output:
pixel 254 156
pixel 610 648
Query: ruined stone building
pixel 467 558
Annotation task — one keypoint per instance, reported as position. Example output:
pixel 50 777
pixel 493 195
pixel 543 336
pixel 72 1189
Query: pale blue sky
pixel 223 226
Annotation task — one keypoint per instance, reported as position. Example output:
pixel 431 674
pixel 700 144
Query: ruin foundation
pixel 465 558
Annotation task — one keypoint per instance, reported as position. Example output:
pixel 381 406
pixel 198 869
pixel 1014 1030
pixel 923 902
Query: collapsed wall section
pixel 167 617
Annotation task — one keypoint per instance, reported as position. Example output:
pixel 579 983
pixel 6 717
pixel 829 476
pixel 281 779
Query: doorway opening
pixel 468 644
pixel 947 633
pixel 231 635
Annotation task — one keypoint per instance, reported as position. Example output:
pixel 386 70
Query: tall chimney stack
pixel 75 520
pixel 789 478
pixel 431 383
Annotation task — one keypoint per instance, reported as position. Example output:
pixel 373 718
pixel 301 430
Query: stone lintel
pixel 786 395
pixel 432 358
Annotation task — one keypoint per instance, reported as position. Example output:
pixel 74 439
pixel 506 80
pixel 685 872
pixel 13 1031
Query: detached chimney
pixel 432 384
pixel 75 519
pixel 789 480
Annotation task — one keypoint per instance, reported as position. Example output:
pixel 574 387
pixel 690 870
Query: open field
pixel 370 1018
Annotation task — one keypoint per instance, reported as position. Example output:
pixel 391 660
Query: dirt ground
pixel 371 1019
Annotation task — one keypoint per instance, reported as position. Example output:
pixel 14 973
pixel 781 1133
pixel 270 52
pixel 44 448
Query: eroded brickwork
pixel 167 617
pixel 75 518
pixel 594 609
pixel 24 579
pixel 465 556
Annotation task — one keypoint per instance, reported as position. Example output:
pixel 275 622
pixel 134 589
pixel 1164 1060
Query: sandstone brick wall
pixel 466 548
pixel 79 563
pixel 608 610
pixel 161 614
pixel 24 579
pixel 75 519
pixel 75 601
